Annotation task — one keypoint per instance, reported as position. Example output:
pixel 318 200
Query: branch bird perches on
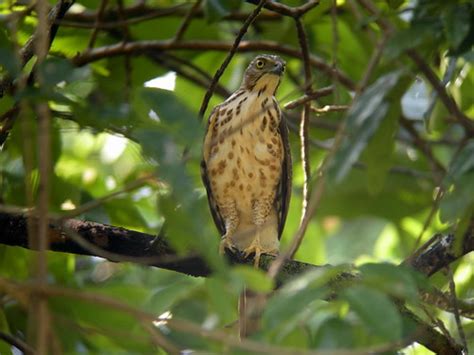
pixel 119 244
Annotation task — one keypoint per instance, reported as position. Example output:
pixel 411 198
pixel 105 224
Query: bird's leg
pixel 261 209
pixel 231 223
pixel 255 247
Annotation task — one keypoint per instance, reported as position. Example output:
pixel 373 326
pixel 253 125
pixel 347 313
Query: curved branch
pixel 138 47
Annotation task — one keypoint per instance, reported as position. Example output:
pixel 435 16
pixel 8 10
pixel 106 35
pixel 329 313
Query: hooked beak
pixel 279 68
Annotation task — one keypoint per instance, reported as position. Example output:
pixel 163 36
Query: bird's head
pixel 264 72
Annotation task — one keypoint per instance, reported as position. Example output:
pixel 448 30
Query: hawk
pixel 246 165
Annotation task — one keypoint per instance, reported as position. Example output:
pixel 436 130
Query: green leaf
pixel 360 233
pixel 415 36
pixel 380 150
pixel 457 22
pixel 361 123
pixel 222 300
pixel 169 290
pixel 294 298
pixel 334 333
pixel 459 185
pixel 15 262
pixel 458 199
pixel 392 279
pixel 376 311
pixel 174 116
pixel 462 163
pixel 254 279
pixel 8 60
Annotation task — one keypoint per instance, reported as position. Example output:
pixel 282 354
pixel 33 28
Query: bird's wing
pixel 218 220
pixel 284 187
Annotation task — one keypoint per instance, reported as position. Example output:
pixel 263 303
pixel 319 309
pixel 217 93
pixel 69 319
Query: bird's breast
pixel 246 152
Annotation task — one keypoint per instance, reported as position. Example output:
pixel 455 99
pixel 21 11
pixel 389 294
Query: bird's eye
pixel 260 64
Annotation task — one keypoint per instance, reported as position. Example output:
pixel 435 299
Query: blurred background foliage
pixel 124 118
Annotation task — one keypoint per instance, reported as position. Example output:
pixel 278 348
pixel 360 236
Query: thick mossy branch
pixel 120 244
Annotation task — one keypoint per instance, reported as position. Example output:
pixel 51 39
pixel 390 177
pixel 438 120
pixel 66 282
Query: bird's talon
pixel 253 248
pixel 226 244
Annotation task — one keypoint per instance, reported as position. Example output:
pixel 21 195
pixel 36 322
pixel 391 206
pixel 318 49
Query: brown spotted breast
pixel 245 157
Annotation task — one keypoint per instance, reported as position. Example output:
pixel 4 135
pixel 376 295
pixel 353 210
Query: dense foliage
pixel 390 147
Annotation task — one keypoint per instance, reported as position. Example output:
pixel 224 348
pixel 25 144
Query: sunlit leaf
pixel 222 300
pixel 254 279
pixel 391 279
pixel 376 311
pixel 295 297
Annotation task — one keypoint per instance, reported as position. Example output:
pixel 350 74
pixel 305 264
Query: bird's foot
pixel 256 248
pixel 226 243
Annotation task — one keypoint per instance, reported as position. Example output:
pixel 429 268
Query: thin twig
pixel 310 96
pixel 159 339
pixel 141 12
pixel 335 46
pixel 286 10
pixel 430 75
pixel 329 108
pixel 103 5
pixel 438 323
pixel 127 63
pixel 101 200
pixel 40 308
pixel 419 142
pixel 303 133
pixel 187 70
pixel 454 302
pixel 447 100
pixel 187 21
pixel 426 224
pixel 229 56
pixel 121 15
pixel 17 343
pixel 442 300
pixel 373 62
pixel 202 45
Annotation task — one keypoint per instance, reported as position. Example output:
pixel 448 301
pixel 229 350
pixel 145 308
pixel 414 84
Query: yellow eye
pixel 260 64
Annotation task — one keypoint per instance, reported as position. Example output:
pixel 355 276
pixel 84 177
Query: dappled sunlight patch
pixel 113 148
pixel 166 82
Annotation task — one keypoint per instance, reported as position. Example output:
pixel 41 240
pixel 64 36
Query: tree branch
pixel 138 47
pixel 134 246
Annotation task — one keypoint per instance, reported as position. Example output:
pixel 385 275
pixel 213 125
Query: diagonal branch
pixel 229 56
